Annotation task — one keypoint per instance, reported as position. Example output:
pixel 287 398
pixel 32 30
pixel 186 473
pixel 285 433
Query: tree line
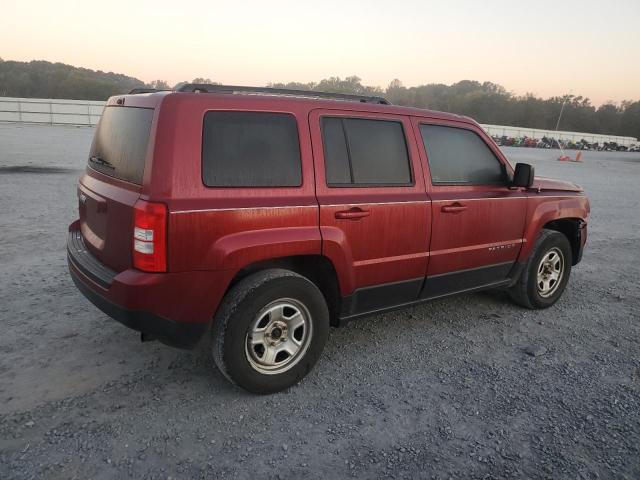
pixel 492 104
pixel 40 79
pixel 485 102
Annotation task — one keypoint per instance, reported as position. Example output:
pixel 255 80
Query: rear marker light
pixel 150 236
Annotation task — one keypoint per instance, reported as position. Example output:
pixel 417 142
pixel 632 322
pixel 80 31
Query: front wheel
pixel 546 273
pixel 270 330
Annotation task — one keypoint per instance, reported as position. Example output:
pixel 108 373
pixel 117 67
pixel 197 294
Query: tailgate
pixel 109 189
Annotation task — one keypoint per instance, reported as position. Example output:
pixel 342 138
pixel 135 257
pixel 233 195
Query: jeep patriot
pixel 256 218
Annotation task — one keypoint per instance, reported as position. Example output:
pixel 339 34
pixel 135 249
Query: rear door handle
pixel 453 208
pixel 353 214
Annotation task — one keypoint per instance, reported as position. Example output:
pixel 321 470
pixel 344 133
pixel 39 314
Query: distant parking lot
pixel 442 390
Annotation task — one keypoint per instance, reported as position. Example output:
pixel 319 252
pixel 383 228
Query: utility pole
pixel 566 97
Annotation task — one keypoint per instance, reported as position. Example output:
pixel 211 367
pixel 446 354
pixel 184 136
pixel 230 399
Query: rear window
pixel 250 149
pixel 365 152
pixel 120 143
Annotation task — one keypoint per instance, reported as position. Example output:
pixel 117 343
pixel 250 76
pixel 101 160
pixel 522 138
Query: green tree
pixel 630 119
pixel 159 85
pixel 608 117
pixel 42 79
pixel 206 81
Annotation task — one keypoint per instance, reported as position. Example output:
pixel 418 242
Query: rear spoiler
pixel 136 91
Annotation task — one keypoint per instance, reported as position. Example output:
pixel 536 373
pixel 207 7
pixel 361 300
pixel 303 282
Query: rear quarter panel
pixel 228 228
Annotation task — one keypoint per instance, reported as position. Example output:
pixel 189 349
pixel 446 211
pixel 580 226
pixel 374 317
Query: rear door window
pixel 120 143
pixel 250 149
pixel 360 151
pixel 460 156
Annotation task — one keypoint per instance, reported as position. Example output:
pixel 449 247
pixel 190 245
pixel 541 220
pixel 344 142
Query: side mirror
pixel 523 175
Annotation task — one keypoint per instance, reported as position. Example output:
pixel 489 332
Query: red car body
pixel 368 248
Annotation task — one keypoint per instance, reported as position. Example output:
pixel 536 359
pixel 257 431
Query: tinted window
pixel 460 156
pixel 250 149
pixel 368 152
pixel 120 143
pixel 336 156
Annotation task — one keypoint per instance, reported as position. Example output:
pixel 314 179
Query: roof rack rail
pixel 211 88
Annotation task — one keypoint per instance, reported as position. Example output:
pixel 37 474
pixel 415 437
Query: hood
pixel 542 183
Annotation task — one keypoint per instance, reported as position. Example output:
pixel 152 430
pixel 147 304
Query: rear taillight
pixel 150 236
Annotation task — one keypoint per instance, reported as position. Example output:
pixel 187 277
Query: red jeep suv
pixel 259 217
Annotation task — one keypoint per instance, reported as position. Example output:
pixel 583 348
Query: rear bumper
pixel 175 308
pixel 175 334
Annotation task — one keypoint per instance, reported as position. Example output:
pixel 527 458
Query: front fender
pixel 547 209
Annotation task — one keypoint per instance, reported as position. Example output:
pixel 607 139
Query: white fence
pixel 85 112
pixel 501 130
pixel 52 111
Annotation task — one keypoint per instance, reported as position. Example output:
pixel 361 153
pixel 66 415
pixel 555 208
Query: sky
pixel 548 48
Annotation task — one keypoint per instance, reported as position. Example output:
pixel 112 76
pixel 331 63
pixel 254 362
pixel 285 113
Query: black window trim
pixel 342 118
pixel 254 187
pixel 505 171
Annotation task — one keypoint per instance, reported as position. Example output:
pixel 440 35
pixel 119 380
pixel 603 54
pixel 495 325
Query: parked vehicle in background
pixel 550 142
pixel 256 218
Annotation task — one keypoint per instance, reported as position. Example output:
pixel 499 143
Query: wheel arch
pixel 317 268
pixel 565 215
pixel 570 228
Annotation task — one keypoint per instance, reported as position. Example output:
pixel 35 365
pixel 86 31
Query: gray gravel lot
pixel 443 390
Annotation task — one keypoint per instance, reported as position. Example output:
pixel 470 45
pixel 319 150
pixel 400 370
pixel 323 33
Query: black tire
pixel 237 315
pixel 525 291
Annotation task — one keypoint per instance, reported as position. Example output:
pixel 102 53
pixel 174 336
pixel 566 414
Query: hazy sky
pixel 543 47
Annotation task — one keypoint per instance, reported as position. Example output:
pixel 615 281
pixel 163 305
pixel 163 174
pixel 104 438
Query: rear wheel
pixel 546 273
pixel 270 330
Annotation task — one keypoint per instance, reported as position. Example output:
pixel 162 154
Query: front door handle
pixel 352 214
pixel 453 208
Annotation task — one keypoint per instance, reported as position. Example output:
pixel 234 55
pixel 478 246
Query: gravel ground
pixel 467 387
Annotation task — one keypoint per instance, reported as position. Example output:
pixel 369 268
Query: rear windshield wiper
pixel 101 161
